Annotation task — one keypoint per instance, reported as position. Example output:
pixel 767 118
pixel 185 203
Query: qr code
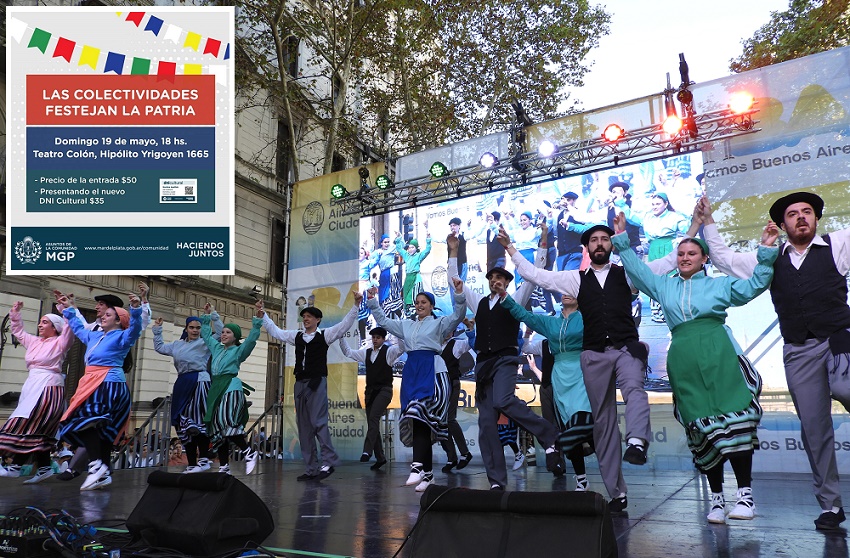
pixel 190 190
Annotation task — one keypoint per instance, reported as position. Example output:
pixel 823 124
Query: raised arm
pixel 158 344
pixel 449 323
pixel 639 273
pixel 250 342
pixel 284 335
pixel 336 332
pixel 359 355
pixel 16 326
pixel 565 282
pixel 744 290
pixel 392 326
pixel 532 320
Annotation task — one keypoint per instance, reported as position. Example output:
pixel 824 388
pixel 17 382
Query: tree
pixel 807 27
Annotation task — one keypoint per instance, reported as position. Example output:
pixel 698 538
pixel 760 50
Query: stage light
pixel 438 170
pixel 547 148
pixel 383 182
pixel 488 160
pixel 672 125
pixel 338 191
pixel 363 172
pixel 613 133
pixel 740 102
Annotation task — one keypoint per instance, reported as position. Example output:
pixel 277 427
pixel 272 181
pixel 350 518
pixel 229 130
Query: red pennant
pixel 64 48
pixel 212 47
pixel 135 17
pixel 166 70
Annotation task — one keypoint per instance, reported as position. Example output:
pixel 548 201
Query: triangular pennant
pixel 212 46
pixel 135 17
pixel 64 49
pixel 89 57
pixel 141 66
pixel 172 33
pixel 154 25
pixel 227 52
pixel 39 40
pixel 193 41
pixel 16 29
pixel 114 63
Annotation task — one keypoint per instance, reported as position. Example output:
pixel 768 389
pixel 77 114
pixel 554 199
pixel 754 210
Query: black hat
pixel 623 185
pixel 585 237
pixel 454 221
pixel 312 310
pixel 379 331
pixel 501 271
pixel 777 210
pixel 570 196
pixel 110 300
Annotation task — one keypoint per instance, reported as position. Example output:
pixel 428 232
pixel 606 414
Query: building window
pixel 338 163
pixel 291 60
pixel 283 165
pixel 278 245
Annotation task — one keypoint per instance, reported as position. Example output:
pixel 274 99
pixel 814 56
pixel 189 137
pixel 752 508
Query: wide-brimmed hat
pixel 622 185
pixel 585 237
pixel 777 210
pixel 110 300
pixel 501 271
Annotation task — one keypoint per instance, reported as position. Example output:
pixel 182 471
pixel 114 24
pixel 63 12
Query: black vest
pixel 461 251
pixel 452 363
pixel 607 312
pixel 569 242
pixel 811 302
pixel 311 359
pixel 496 331
pixel 547 363
pixel 378 373
pixel 494 248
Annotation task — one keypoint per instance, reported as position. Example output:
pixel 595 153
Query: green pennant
pixel 141 66
pixel 39 40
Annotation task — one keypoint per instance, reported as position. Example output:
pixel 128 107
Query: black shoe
pixel 325 473
pixel 378 464
pixel 464 461
pixel 618 505
pixel 448 466
pixel 559 471
pixel 553 460
pixel 67 475
pixel 306 477
pixel 636 455
pixel 365 457
pixel 830 521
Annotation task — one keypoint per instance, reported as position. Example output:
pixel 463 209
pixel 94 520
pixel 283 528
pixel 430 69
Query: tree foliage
pixel 807 27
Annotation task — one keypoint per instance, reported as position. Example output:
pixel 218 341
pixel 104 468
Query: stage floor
pixel 367 514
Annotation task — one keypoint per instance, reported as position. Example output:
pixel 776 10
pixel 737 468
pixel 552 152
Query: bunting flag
pixel 16 29
pixel 141 66
pixel 172 33
pixel 154 25
pixel 192 69
pixel 166 70
pixel 220 73
pixel 64 49
pixel 193 41
pixel 227 52
pixel 135 17
pixel 212 46
pixel 39 40
pixel 89 57
pixel 114 63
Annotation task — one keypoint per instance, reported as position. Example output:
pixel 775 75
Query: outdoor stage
pixel 361 513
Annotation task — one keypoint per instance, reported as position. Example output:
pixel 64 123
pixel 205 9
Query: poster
pixel 120 141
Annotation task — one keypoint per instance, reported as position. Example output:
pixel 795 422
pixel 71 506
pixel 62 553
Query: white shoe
pixel 224 469
pixel 102 483
pixel 40 475
pixel 718 509
pixel 204 464
pixel 744 508
pixel 519 460
pixel 415 474
pixel 12 471
pixel 192 469
pixel 581 483
pixel 97 471
pixel 427 479
pixel 251 458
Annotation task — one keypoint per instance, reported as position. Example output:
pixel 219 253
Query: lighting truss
pixel 572 159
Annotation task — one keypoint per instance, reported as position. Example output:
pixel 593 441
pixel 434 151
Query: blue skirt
pixel 418 377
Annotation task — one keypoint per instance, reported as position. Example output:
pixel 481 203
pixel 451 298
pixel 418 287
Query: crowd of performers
pixel 589 349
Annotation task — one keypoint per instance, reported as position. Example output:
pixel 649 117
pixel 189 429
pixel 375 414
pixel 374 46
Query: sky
pixel 647 36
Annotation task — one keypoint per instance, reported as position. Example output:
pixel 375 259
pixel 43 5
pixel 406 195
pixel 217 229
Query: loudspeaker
pixel 459 522
pixel 204 514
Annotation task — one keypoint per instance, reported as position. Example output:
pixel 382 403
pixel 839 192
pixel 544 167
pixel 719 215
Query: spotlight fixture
pixel 613 133
pixel 672 125
pixel 740 102
pixel 521 116
pixel 338 191
pixel 383 182
pixel 363 172
pixel 438 170
pixel 488 160
pixel 517 164
pixel 547 148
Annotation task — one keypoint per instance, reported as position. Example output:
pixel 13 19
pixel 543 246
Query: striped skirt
pixel 107 410
pixel 576 432
pixel 508 432
pixel 190 421
pixel 433 411
pixel 227 419
pixel 37 433
pixel 711 439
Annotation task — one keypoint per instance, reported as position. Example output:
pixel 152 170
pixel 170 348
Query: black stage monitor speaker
pixel 204 514
pixel 460 522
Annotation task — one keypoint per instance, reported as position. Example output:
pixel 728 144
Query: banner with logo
pixel 120 149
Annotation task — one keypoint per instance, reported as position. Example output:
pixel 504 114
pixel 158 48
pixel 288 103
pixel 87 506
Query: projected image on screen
pixel 404 252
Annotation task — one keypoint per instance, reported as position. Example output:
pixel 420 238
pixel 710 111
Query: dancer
pixel 455 347
pixel 715 391
pixel 565 334
pixel 539 346
pixel 809 292
pixel 384 259
pixel 508 436
pixel 98 412
pixel 30 431
pixel 497 347
pixel 189 397
pixel 424 393
pixel 413 258
pixel 227 411
pixel 311 383
pixel 379 360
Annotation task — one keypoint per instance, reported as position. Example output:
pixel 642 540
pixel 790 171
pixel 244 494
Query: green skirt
pixel 659 247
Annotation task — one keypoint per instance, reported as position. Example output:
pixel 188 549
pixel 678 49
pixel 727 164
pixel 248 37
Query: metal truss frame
pixel 530 168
